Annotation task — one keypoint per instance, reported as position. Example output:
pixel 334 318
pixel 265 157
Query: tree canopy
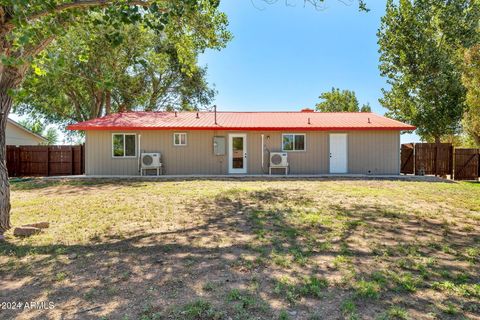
pixel 471 80
pixel 38 127
pixel 83 75
pixel 338 100
pixel 419 45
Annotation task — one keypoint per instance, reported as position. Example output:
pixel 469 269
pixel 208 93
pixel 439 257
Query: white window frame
pixel 179 139
pixel 124 134
pixel 295 134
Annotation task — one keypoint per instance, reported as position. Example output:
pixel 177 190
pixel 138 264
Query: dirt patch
pixel 246 249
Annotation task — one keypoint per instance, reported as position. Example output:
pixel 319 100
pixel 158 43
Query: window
pixel 293 142
pixel 124 145
pixel 180 139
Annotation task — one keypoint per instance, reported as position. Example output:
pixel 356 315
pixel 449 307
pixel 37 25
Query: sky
pixel 282 57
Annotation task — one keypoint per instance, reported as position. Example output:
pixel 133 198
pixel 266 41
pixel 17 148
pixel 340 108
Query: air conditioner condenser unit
pixel 278 159
pixel 151 160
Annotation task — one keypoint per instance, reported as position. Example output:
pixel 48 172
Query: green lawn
pixel 230 249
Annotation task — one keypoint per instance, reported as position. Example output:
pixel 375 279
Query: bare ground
pixel 244 250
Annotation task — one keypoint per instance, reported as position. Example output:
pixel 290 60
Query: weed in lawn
pixel 245 298
pixel 313 286
pixel 472 254
pixel 280 259
pixel 405 281
pixel 367 289
pixel 462 277
pixel 208 286
pixel 285 288
pixel 198 309
pixel 112 291
pixel 308 287
pixel 349 310
pixel 316 316
pixel 299 256
pixel 324 246
pixel 341 260
pixel 395 313
pixel 379 277
pixel 246 302
pixel 60 276
pixel 254 284
pixel 464 289
pixel 90 294
pixel 450 308
pixel 344 250
pixel 283 315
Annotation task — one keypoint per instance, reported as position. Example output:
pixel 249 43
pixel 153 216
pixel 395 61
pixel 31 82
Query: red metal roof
pixel 247 121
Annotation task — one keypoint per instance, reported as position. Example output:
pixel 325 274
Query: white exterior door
pixel 338 153
pixel 237 153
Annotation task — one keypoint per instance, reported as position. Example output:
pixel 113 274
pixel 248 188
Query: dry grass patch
pixel 220 249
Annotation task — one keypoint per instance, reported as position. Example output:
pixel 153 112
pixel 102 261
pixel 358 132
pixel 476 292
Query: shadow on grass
pixel 230 265
pixel 33 183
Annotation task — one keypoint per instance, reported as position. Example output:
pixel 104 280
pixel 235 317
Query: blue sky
pixel 282 57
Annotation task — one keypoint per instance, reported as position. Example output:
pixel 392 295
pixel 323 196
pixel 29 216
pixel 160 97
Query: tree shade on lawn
pixel 27 27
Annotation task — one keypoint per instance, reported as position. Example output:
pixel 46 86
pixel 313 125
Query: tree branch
pixel 32 52
pixel 86 4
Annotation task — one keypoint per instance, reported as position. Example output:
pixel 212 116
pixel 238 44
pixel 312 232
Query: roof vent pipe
pixel 175 114
pixel 198 117
pixel 309 120
pixel 369 120
pixel 215 111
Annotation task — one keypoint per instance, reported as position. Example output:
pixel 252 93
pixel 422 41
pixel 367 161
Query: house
pixel 220 143
pixel 18 135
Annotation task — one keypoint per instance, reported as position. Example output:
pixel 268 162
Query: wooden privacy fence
pixel 430 161
pixel 467 164
pixel 423 158
pixel 407 156
pixel 45 160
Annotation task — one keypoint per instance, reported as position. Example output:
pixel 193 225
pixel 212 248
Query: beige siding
pixel 17 136
pixel 375 151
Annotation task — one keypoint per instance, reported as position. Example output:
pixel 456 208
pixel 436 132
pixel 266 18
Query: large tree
pixel 83 75
pixel 338 100
pixel 27 27
pixel 419 54
pixel 471 80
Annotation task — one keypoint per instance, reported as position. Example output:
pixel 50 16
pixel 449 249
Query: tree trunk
pixel 437 154
pixel 108 102
pixel 10 78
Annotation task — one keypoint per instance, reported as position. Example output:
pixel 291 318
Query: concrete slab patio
pixel 255 177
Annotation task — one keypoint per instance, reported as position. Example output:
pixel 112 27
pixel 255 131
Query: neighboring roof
pixel 18 125
pixel 247 121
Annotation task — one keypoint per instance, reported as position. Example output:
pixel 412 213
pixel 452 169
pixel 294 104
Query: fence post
pixel 478 169
pixel 83 159
pixel 72 163
pixel 48 161
pixel 451 158
pixel 414 159
pixel 17 161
